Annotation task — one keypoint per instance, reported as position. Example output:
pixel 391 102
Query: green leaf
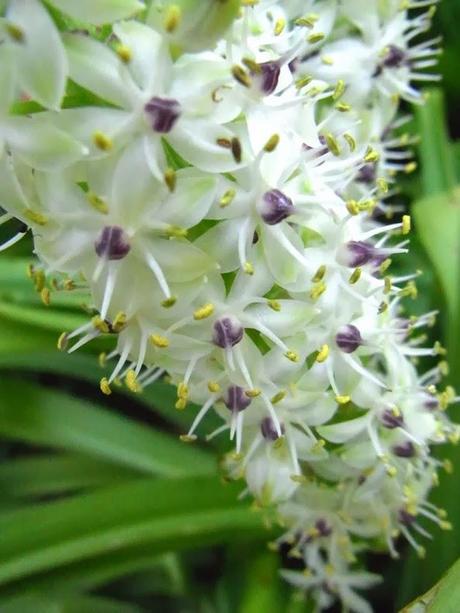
pixel 438 224
pixel 56 474
pixel 444 597
pixel 263 586
pixel 67 604
pixel 43 416
pixel 436 157
pixel 164 514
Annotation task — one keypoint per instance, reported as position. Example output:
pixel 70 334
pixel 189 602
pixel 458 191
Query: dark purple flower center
pixel 227 332
pixel 394 57
pixel 269 77
pixel 404 450
pixel 391 420
pixel 276 206
pixel 366 174
pixel 358 253
pixel 431 403
pixel 235 399
pixel 323 527
pixel 405 517
pixel 112 243
pixel 268 429
pixel 163 113
pixel 348 338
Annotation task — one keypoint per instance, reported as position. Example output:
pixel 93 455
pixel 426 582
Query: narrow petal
pixel 100 11
pixel 42 63
pixel 98 69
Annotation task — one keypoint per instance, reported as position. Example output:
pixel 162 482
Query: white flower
pixel 213 185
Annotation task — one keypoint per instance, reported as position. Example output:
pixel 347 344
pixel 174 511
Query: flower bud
pixel 228 332
pixel 235 399
pixel 348 338
pixel 275 207
pixel 193 25
pixel 112 243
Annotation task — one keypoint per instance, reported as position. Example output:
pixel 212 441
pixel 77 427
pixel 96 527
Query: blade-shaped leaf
pixel 34 414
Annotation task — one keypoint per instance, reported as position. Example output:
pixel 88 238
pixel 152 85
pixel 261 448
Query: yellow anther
pixel 182 391
pixel 176 232
pixel 281 395
pixel 383 306
pixel 448 466
pixel 410 167
pixel 387 285
pixel 102 141
pixel 342 399
pixel 351 142
pixel 280 24
pixel 102 359
pixel 385 265
pixel 371 155
pixel 406 224
pixel 100 325
pixel 254 393
pixel 132 383
pixel 293 356
pixel 45 296
pixel 227 198
pixel 169 302
pixel 248 268
pixel 240 75
pixel 181 404
pixel 172 18
pixel 327 60
pixel 355 276
pixel 253 66
pixel 323 354
pixel 105 387
pixel 159 341
pixel 274 305
pixel 36 217
pixel 316 37
pixel 124 53
pixel 317 290
pixel 353 207
pixel 332 144
pixel 343 107
pixel 213 387
pixel 319 274
pixel 170 178
pixel 15 32
pixel 382 185
pixel 62 341
pixel 204 312
pixel 120 321
pixel 391 471
pixel 303 81
pixel 272 143
pixel 445 525
pixel 339 89
pixel 187 438
pixel 98 203
pixel 421 552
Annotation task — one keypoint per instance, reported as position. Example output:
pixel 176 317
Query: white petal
pixel 99 12
pixel 41 144
pixel 346 430
pixel 196 141
pixel 42 63
pixel 150 64
pixel 181 261
pixel 220 243
pixel 190 201
pixel 7 80
pixel 98 69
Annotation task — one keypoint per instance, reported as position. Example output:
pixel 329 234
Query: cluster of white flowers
pixel 217 172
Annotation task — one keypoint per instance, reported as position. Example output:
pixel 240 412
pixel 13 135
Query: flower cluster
pixel 220 173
